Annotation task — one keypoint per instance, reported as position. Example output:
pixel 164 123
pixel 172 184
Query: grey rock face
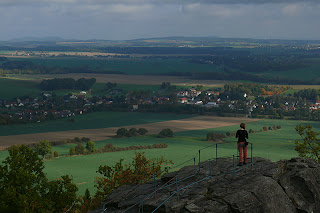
pixel 289 186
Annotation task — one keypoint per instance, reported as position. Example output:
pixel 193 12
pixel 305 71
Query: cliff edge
pixel 284 186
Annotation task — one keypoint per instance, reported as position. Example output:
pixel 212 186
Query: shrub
pixel 278 127
pixel 84 139
pixel 211 136
pixel 132 132
pixel 108 147
pixel 56 154
pixel 138 171
pixel 274 127
pixel 79 149
pixel 57 143
pixel 228 134
pixel 251 131
pixel 76 139
pixel 122 132
pixel 165 133
pixel 90 146
pixel 265 128
pixel 269 128
pixel 142 131
pixel 72 151
pixel 160 145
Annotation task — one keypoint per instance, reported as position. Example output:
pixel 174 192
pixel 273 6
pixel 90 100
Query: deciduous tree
pixel 90 146
pixel 43 148
pixel 309 145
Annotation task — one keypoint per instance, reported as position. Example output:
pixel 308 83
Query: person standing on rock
pixel 242 135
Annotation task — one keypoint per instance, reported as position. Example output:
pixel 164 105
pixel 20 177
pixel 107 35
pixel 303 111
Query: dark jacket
pixel 242 135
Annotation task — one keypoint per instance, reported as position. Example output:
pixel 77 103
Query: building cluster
pixel 40 108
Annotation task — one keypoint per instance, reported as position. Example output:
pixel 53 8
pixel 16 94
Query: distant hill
pixel 50 38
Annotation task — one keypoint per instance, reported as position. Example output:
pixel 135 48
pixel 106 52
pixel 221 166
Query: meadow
pixel 275 145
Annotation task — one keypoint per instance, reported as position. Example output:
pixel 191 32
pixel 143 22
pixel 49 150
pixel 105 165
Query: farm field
pixel 275 145
pixel 166 65
pixel 100 126
pixel 134 66
pixel 307 73
pixel 10 88
pixel 123 79
pixel 90 121
pixel 28 85
pixel 137 80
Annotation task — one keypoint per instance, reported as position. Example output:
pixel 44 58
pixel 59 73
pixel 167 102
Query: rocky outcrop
pixel 285 186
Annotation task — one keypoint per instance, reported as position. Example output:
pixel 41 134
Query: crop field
pixel 306 73
pixel 275 145
pixel 134 66
pixel 90 121
pixel 10 88
pixel 104 126
pixel 15 88
pixel 23 86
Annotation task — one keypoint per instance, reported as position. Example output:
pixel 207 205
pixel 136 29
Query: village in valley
pixel 231 99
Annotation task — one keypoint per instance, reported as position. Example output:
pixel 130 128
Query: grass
pixel 275 145
pixel 90 121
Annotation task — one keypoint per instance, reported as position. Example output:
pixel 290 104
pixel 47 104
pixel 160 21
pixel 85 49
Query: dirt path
pixel 195 123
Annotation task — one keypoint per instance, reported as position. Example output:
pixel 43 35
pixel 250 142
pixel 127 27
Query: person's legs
pixel 240 148
pixel 245 153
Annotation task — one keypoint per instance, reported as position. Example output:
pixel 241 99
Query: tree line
pixel 67 83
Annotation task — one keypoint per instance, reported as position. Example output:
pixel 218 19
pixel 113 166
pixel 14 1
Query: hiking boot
pixel 240 164
pixel 244 163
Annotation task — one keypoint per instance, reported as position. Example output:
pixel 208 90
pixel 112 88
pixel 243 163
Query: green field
pixel 134 66
pixel 90 121
pixel 275 145
pixel 306 73
pixel 10 88
pixel 15 88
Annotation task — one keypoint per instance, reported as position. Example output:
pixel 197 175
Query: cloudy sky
pixel 129 19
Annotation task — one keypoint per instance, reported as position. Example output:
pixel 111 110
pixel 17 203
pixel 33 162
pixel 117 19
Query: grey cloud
pixel 17 2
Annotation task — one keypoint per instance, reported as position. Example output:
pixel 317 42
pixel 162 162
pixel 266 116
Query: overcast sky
pixel 129 19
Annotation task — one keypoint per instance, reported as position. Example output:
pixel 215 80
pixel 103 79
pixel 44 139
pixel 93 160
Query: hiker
pixel 242 135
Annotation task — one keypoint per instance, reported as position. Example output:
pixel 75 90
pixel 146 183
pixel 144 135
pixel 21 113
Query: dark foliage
pixel 165 133
pixel 67 83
